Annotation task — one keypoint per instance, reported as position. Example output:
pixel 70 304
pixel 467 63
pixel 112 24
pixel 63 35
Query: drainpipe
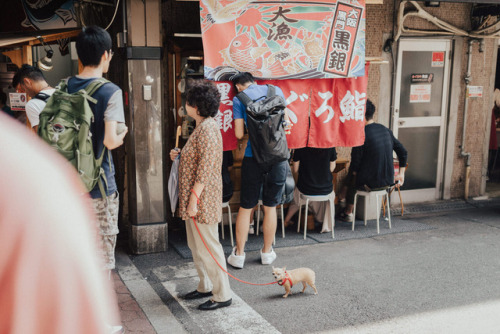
pixel 467 80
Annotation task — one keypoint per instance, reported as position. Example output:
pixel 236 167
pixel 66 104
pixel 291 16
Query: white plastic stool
pixel 226 205
pixel 282 220
pixel 368 194
pixel 305 199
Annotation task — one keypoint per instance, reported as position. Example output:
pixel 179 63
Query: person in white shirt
pixel 30 80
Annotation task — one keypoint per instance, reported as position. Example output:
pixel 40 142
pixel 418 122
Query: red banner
pixel 324 112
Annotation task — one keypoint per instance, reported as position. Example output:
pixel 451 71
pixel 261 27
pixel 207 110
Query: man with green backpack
pixel 81 120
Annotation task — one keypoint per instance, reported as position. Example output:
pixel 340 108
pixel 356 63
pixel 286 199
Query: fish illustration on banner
pixel 49 14
pixel 283 40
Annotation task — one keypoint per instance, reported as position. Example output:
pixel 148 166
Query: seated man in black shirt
pixel 372 165
pixel 315 167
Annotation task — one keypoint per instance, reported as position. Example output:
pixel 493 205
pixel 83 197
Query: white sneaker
pixel 115 329
pixel 267 258
pixel 236 261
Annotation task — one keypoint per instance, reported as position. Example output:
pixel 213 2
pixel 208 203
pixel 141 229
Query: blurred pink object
pixel 50 275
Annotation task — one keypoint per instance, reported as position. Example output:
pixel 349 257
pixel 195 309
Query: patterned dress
pixel 201 161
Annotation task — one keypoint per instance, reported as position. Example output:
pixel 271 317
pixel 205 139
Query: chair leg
pixel 300 212
pixel 305 219
pixel 378 215
pixel 282 222
pixel 389 211
pixel 230 225
pixel 354 211
pixel 222 224
pixel 366 206
pixel 258 219
pixel 332 215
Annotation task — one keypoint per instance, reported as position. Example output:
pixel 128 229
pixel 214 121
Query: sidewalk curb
pixel 160 316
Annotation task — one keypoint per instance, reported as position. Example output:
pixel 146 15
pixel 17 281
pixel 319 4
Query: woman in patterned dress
pixel 200 194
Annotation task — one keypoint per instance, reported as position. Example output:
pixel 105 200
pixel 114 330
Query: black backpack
pixel 265 127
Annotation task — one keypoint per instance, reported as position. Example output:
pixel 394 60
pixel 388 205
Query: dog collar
pixel 287 278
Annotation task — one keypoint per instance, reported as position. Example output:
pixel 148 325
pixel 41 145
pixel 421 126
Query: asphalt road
pixel 441 280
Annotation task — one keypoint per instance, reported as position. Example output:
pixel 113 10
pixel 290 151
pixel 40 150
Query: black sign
pixel 422 77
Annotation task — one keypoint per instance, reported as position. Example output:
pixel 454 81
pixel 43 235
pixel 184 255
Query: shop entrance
pixel 419 119
pixel 493 179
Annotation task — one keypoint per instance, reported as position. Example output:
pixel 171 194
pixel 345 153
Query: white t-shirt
pixel 35 106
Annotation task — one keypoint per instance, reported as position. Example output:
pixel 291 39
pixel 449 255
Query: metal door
pixel 419 121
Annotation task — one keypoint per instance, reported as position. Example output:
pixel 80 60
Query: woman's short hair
pixel 204 95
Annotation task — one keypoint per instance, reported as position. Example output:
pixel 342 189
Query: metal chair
pixel 367 195
pixel 226 205
pixel 305 199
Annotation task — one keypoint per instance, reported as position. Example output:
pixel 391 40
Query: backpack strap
pixel 244 98
pixel 42 96
pixel 271 90
pixel 95 85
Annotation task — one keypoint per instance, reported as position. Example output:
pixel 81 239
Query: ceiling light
pixel 45 64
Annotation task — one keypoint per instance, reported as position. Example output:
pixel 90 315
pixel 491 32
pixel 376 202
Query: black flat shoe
pixel 212 305
pixel 196 295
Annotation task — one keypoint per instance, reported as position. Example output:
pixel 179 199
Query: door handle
pixel 402 123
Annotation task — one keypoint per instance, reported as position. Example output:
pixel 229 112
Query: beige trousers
pixel 212 278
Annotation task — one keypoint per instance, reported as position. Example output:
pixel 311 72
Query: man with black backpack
pixel 30 80
pixel 262 109
pixel 93 46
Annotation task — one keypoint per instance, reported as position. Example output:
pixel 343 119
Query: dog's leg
pixel 304 286
pixel 287 289
pixel 314 287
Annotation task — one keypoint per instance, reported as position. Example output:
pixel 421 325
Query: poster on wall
pixel 324 113
pixel 17 101
pixel 283 39
pixel 437 59
pixel 475 91
pixel 420 93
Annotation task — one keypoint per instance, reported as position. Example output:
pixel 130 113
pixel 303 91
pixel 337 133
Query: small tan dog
pixel 289 278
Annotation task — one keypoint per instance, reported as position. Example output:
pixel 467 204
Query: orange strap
pixel 196 195
pixel 213 257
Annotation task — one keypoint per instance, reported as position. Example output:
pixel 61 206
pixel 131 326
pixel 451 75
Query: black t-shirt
pixel 315 177
pixel 373 161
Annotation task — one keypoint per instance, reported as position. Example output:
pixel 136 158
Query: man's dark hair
pixel 27 71
pixel 203 95
pixel 242 78
pixel 370 110
pixel 3 98
pixel 91 44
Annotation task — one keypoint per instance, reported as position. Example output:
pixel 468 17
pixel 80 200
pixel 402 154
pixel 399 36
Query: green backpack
pixel 65 125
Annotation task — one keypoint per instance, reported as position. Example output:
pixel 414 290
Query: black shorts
pixel 254 178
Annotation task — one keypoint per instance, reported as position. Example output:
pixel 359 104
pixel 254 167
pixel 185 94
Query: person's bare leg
pixel 242 226
pixel 269 227
pixel 292 210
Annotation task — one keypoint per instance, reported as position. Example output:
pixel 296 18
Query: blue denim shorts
pixel 254 178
